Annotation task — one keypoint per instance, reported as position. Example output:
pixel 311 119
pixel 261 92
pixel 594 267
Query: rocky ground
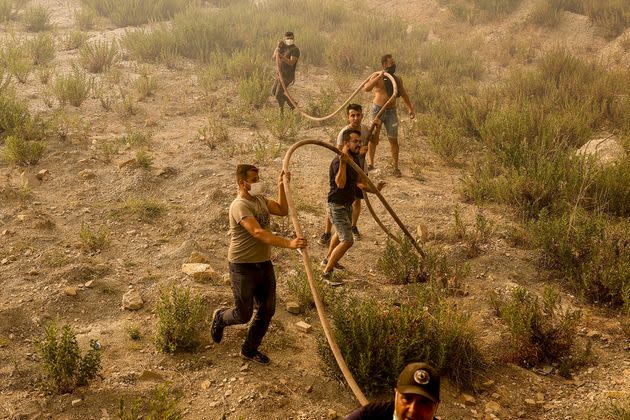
pixel 46 276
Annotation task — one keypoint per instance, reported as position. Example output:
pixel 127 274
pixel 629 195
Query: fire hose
pixel 298 229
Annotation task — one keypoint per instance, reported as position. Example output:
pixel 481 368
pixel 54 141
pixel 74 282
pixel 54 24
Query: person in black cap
pixel 289 55
pixel 416 397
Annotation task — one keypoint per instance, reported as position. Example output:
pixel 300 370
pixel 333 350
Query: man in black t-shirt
pixel 416 397
pixel 289 55
pixel 344 182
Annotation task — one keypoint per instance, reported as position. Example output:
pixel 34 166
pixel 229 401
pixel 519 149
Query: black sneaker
pixel 216 330
pixel 355 233
pixel 396 172
pixel 324 240
pixel 338 266
pixel 256 356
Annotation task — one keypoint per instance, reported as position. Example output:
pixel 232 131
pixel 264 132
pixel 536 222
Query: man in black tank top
pixel 289 55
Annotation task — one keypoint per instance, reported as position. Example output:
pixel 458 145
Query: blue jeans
pixel 341 218
pixel 253 285
pixel 389 120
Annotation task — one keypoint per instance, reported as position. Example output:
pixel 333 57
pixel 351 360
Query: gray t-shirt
pixel 244 248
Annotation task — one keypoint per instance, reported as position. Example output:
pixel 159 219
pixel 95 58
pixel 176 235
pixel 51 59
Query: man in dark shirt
pixel 289 55
pixel 344 182
pixel 416 397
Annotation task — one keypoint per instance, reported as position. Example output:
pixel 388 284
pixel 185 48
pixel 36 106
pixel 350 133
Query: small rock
pixel 308 389
pixel 132 300
pixel 87 174
pixel 228 393
pixel 206 384
pixel 303 326
pixel 488 383
pixel 198 257
pixel 199 271
pixel 76 402
pixel 293 308
pixel 467 399
pixel 42 174
pixel 530 401
pixel 89 283
pixel 70 291
pixel 332 414
pixel 493 407
pixel 593 334
pixel 422 233
pixel 4 261
pixel 244 368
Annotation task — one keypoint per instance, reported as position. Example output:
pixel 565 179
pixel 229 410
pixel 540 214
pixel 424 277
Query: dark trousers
pixel 253 285
pixel 278 93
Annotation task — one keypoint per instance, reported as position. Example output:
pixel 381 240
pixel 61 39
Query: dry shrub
pixel 181 318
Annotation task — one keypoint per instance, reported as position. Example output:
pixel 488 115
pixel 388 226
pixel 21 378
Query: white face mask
pixel 288 41
pixel 256 188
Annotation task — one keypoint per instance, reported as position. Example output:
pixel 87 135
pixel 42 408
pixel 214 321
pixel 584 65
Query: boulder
pixel 199 271
pixel 604 151
pixel 132 300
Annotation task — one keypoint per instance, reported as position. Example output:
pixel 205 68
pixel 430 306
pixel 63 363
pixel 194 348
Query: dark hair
pixel 345 135
pixel 354 107
pixel 385 58
pixel 288 34
pixel 242 170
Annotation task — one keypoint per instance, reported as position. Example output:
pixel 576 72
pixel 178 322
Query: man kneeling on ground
pixel 416 397
pixel 249 255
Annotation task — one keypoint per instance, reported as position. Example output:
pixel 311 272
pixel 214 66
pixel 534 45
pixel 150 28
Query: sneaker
pixel 324 240
pixel 333 282
pixel 338 266
pixel 396 172
pixel 256 356
pixel 355 233
pixel 216 330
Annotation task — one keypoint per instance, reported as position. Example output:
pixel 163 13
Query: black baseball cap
pixel 421 379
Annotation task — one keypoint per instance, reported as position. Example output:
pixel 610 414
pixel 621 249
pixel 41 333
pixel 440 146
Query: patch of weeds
pixel 93 239
pixel 616 410
pixel 64 366
pixel 127 105
pixel 541 331
pixel 22 152
pixel 136 138
pixel 43 74
pixel 74 40
pixel 98 56
pixel 214 133
pixel 378 339
pixel 146 85
pixel 284 127
pixel 181 319
pixel 546 13
pixel 144 160
pixel 401 263
pixel 72 88
pixel 265 150
pixel 41 49
pixel 254 90
pixel 36 19
pixel 475 238
pixel 155 45
pixel 16 59
pixel 7 11
pixel 298 286
pixel 85 18
pixel 145 209
pixel 133 331
pixel 163 404
pixel 134 13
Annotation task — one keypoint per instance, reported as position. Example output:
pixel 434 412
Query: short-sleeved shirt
pixel 373 411
pixel 244 248
pixel 286 70
pixel 347 194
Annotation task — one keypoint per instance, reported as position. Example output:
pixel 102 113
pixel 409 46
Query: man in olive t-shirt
pixel 249 256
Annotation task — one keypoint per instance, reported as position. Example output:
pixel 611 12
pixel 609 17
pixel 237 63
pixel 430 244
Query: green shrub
pixel 180 319
pixel 93 239
pixel 213 133
pixel 546 13
pixel 64 367
pixel 149 45
pixel 98 56
pixel 590 253
pixel 136 12
pixel 446 140
pixel 36 19
pixel 41 48
pixel 72 88
pixel 401 263
pixel 475 238
pixel 22 152
pixel 146 85
pixel 14 114
pixel 5 80
pixel 136 138
pixel 541 332
pixel 284 127
pixel 612 16
pixel 378 339
pixel 85 18
pixel 6 10
pixel 609 188
pixel 144 160
pixel 163 404
pixel 74 40
pixel 145 209
pixel 255 89
pixel 16 59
